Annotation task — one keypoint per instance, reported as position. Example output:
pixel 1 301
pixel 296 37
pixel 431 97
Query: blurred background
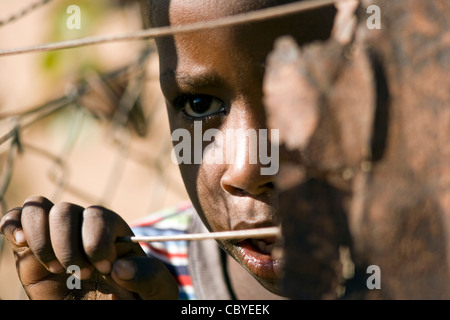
pixel 85 125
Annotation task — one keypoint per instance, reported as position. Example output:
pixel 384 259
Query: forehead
pixel 174 12
pixel 230 51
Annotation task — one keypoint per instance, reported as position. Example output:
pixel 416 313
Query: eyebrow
pixel 192 80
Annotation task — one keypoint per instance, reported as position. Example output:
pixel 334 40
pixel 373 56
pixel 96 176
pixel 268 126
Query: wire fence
pixel 111 136
pixel 21 13
pixel 103 140
pixel 115 102
pixel 122 90
pixel 269 13
pixel 22 120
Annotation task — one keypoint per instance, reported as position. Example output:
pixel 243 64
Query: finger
pixel 99 232
pixel 30 270
pixel 148 277
pixel 11 228
pixel 345 21
pixel 65 221
pixel 37 233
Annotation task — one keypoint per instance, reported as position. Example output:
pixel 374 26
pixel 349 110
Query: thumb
pixel 345 21
pixel 148 277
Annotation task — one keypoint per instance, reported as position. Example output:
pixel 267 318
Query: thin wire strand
pixel 252 16
pixel 7 172
pixel 258 233
pixel 29 117
pixel 23 12
pixel 47 109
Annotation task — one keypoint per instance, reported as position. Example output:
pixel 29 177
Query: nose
pixel 246 182
pixel 243 173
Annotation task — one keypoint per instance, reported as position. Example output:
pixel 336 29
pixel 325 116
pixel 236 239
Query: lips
pixel 258 257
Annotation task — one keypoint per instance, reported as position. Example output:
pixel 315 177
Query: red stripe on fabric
pixel 184 280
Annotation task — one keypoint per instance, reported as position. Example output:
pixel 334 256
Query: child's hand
pixel 47 239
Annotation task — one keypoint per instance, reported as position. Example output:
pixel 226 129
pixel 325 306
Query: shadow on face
pixel 214 78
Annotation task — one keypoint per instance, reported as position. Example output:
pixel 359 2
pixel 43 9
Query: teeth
pixel 263 246
pixel 270 247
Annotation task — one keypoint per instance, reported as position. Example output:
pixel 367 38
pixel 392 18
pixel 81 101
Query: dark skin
pixel 47 238
pixel 224 69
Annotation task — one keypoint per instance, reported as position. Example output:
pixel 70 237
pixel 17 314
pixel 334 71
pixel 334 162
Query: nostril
pixel 234 190
pixel 268 186
pixel 246 181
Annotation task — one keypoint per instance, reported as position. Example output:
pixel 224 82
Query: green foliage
pixel 75 62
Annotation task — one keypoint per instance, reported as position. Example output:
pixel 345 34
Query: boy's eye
pixel 200 106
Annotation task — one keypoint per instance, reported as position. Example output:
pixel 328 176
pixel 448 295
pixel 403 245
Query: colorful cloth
pixel 174 254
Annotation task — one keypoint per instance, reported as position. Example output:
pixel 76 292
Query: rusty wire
pixel 26 118
pixel 20 14
pixel 60 172
pixel 247 17
pixel 22 120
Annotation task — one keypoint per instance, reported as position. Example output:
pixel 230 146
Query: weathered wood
pixel 365 141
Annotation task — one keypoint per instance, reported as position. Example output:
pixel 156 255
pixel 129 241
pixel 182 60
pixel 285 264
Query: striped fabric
pixel 173 254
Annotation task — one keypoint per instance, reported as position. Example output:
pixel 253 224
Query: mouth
pixel 259 258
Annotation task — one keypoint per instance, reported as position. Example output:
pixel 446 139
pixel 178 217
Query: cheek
pixel 189 173
pixel 203 186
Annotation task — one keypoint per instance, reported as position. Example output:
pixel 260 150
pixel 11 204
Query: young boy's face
pixel 215 78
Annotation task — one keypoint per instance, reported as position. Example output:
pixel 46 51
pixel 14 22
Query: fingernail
pixel 125 269
pixel 55 267
pixel 19 237
pixel 104 266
